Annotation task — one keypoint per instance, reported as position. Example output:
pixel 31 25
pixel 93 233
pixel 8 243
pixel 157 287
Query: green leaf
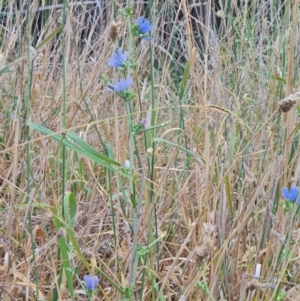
pixel 58 224
pixel 56 219
pixel 179 147
pixel 35 205
pixel 76 247
pixel 63 249
pixel 5 69
pixel 48 38
pixel 70 208
pixel 184 80
pixel 109 151
pixel 85 146
pixel 78 145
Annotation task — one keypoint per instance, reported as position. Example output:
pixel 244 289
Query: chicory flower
pixel 291 194
pixel 144 27
pixel 121 85
pixel 91 282
pixel 118 59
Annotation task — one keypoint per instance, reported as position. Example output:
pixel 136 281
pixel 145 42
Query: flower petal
pixel 140 21
pixel 118 58
pixel 120 85
pixel 294 191
pixel 286 193
pixel 144 25
pixel 127 164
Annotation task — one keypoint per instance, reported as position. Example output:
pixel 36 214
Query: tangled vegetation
pixel 149 150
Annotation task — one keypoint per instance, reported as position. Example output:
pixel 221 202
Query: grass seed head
pixel 207 243
pixel 287 103
pixel 114 30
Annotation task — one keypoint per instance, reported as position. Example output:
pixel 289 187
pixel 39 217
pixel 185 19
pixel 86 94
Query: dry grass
pixel 213 202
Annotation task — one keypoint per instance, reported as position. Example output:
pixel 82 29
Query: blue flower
pixel 292 194
pixel 91 281
pixel 118 59
pixel 121 85
pixel 144 27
